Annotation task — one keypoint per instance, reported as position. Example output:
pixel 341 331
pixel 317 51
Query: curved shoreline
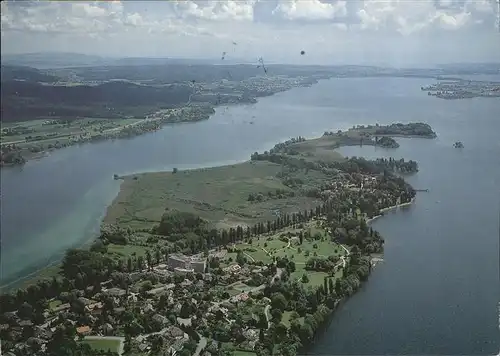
pixel 384 210
pixel 33 271
pixel 160 122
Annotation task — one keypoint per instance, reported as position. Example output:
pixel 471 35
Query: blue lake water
pixel 436 292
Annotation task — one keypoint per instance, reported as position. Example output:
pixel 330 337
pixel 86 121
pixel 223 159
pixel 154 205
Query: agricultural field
pixel 50 131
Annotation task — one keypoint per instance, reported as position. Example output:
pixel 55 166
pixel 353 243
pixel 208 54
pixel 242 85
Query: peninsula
pixel 456 88
pixel 246 259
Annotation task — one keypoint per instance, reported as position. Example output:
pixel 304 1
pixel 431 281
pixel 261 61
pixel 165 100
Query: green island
pixel 245 259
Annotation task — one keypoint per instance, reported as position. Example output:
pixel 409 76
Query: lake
pixel 437 290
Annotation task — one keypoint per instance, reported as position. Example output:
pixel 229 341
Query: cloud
pixel 310 10
pixel 216 10
pixel 409 17
pixel 259 26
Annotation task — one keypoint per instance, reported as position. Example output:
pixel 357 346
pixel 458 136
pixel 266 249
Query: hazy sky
pixel 329 31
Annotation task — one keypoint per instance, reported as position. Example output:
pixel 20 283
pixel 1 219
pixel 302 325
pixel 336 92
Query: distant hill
pixel 26 73
pixel 68 60
pixel 23 100
pixel 472 68
pixel 52 60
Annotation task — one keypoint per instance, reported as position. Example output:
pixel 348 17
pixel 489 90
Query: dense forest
pixel 29 100
pixel 26 73
pixel 174 73
pixel 29 93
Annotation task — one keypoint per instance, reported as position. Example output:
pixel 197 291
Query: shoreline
pixel 161 122
pixel 254 169
pixel 394 207
pixel 12 284
pixel 33 273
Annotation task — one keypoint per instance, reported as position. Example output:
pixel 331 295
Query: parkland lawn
pixel 103 344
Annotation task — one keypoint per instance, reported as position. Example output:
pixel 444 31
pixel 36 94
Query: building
pixel 177 261
pixel 199 266
pixel 185 264
pixel 84 330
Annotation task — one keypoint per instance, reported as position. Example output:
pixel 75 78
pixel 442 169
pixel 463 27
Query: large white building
pixel 181 262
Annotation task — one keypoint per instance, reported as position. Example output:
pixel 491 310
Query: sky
pixel 395 32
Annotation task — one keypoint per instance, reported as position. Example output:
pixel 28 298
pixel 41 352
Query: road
pixel 279 272
pixel 342 258
pixel 201 345
pixel 116 338
pixel 268 317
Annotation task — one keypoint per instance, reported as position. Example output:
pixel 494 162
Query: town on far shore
pixel 250 259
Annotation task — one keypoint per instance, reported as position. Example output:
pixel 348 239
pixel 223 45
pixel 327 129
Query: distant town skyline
pixel 391 32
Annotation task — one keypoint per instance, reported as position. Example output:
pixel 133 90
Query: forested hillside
pixel 28 100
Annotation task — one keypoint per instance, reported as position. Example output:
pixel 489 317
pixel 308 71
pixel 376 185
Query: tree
pixel 98 246
pixel 304 278
pixel 140 262
pixel 145 286
pixel 149 260
pixel 277 315
pixel 278 301
pixel 331 287
pixel 156 343
pixel 158 256
pixel 128 344
pixel 240 258
pixel 187 309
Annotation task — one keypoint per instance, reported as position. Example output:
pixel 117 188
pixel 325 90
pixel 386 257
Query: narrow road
pixel 343 257
pixel 278 274
pixel 115 338
pixel 250 257
pixel 201 345
pixel 268 317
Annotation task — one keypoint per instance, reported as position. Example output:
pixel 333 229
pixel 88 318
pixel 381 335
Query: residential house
pixel 94 308
pixel 148 307
pixel 175 332
pixel 107 329
pixel 25 323
pixel 83 330
pixel 115 292
pixel 160 319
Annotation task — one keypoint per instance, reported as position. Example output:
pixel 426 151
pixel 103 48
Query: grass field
pixel 243 353
pixel 267 247
pixel 103 344
pixel 60 132
pixel 236 352
pixel 127 250
pixel 54 304
pixel 218 194
pixel 285 319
